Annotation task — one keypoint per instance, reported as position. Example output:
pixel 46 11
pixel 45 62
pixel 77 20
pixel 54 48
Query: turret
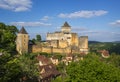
pixel 22 41
pixel 66 28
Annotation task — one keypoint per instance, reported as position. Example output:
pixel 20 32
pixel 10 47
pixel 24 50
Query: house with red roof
pixel 47 69
pixel 104 53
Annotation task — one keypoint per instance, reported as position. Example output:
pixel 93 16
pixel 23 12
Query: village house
pixel 68 59
pixel 104 53
pixel 47 69
pixel 54 60
pixel 48 72
pixel 43 60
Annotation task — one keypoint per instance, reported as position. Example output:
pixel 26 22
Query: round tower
pixel 22 41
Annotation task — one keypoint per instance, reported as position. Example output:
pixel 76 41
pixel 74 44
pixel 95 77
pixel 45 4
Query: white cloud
pixel 105 36
pixel 16 5
pixel 30 24
pixel 83 14
pixel 45 18
pixel 115 23
pixel 79 29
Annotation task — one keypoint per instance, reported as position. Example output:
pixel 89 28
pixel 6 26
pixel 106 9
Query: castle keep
pixel 64 41
pixel 63 38
pixel 22 41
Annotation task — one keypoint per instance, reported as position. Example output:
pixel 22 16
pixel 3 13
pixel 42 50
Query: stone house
pixel 104 53
pixel 68 59
pixel 48 72
pixel 54 60
pixel 47 69
pixel 43 60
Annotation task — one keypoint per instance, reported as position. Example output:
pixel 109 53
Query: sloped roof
pixel 50 71
pixel 104 53
pixel 43 59
pixel 66 25
pixel 69 55
pixel 23 31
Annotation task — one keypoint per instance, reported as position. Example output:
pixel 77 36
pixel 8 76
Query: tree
pixel 28 66
pixel 2 26
pixel 7 37
pixel 114 59
pixel 9 68
pixel 91 69
pixel 18 69
pixel 38 38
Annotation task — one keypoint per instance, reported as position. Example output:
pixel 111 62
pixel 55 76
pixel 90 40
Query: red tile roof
pixel 104 53
pixel 50 71
pixel 69 55
pixel 43 59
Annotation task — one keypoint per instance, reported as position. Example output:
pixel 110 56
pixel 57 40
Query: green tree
pixel 38 37
pixel 114 59
pixel 7 37
pixel 28 66
pixel 91 69
pixel 2 26
pixel 9 68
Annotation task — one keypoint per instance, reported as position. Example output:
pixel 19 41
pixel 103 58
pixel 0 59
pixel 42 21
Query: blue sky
pixel 97 19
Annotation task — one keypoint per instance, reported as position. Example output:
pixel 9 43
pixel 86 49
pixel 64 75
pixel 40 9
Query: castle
pixel 64 41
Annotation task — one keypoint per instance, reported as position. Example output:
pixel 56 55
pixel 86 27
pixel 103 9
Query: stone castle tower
pixel 66 28
pixel 22 41
pixel 83 43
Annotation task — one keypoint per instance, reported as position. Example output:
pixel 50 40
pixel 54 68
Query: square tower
pixel 22 41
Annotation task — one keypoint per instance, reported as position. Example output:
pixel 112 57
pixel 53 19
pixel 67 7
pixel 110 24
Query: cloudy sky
pixel 97 19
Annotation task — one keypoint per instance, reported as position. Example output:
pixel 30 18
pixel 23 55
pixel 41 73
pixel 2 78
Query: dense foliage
pixel 93 69
pixel 17 69
pixel 112 47
pixel 38 37
pixel 90 70
pixel 7 37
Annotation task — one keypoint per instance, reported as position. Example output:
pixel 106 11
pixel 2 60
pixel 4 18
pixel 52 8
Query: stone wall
pixel 83 44
pixel 53 43
pixel 74 40
pixel 36 49
pixel 55 36
pixel 22 43
pixel 63 44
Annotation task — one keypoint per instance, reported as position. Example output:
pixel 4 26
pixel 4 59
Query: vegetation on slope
pixel 92 69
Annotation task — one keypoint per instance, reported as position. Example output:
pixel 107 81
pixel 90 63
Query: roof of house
pixel 69 55
pixel 104 53
pixel 43 59
pixel 23 31
pixel 50 70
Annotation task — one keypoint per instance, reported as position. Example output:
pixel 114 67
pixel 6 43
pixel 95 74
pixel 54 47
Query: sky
pixel 97 19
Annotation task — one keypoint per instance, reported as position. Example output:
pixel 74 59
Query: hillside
pixel 112 47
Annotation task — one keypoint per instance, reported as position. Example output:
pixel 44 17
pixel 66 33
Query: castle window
pixel 68 37
pixel 24 43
